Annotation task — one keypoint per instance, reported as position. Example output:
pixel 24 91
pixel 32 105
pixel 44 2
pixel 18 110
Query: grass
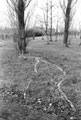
pixel 30 96
pixel 67 58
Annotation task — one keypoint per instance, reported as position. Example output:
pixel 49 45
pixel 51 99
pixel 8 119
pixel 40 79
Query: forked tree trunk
pixel 21 29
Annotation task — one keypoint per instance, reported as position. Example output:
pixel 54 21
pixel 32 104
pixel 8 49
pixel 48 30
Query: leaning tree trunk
pixel 21 29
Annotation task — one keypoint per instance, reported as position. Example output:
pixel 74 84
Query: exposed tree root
pixel 63 95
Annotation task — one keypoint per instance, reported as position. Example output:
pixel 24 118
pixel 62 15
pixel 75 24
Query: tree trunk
pixel 67 23
pixel 21 31
pixel 51 21
pixel 56 33
pixel 66 31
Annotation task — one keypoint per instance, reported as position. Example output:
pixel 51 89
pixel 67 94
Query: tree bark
pixel 66 31
pixel 67 23
pixel 51 21
pixel 21 29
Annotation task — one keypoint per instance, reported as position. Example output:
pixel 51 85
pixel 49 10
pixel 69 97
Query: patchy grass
pixel 67 58
pixel 30 96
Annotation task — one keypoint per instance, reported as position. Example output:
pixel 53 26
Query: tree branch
pixel 28 4
pixel 12 5
pixel 63 7
pixel 74 3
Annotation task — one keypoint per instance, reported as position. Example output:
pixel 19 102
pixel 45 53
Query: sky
pixel 38 11
pixel 77 8
pixel 3 16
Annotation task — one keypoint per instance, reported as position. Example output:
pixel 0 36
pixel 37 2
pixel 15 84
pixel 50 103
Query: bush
pixel 34 33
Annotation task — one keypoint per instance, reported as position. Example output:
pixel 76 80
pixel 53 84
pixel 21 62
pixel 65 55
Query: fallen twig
pixel 35 67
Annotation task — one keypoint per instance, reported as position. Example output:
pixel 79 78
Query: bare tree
pixel 47 19
pixel 19 7
pixel 67 8
pixel 12 18
pixel 57 24
pixel 51 20
pixel 43 20
pixel 80 33
pixel 29 15
pixel 53 8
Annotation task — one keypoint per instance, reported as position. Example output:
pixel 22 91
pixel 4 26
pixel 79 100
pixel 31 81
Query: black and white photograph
pixel 40 59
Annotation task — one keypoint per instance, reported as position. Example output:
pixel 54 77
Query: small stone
pixel 44 108
pixel 39 101
pixel 71 118
pixel 50 104
pixel 24 95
